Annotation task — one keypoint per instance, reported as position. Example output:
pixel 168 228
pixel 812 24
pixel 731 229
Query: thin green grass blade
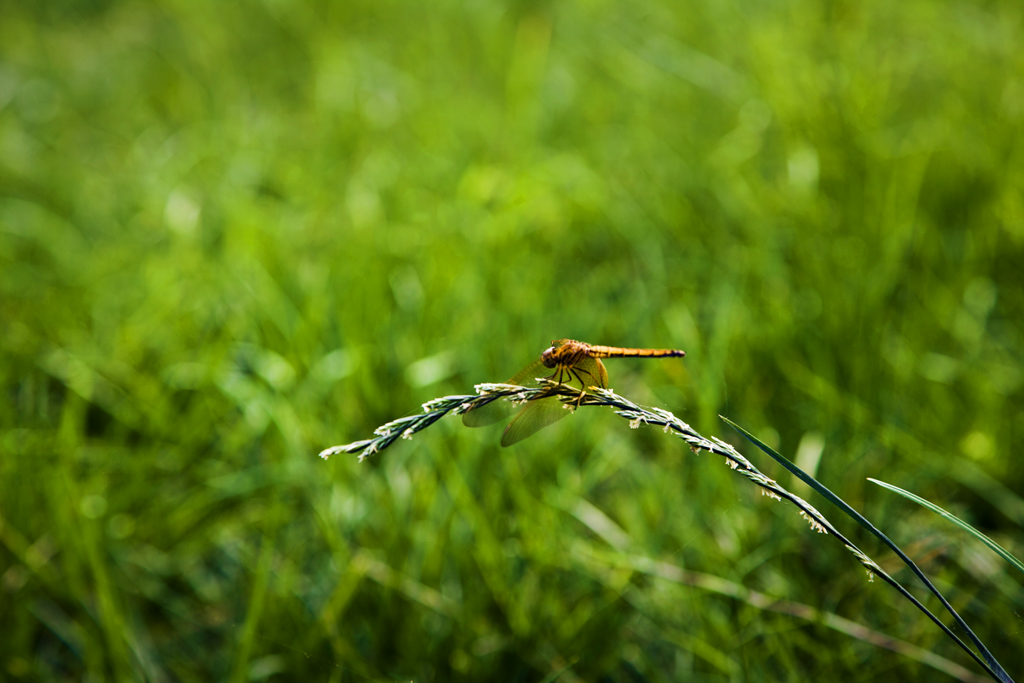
pixel 998 549
pixel 996 668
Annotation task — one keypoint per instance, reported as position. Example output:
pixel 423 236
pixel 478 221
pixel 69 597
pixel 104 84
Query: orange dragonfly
pixel 575 364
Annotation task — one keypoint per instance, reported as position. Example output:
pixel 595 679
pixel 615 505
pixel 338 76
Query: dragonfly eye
pixel 548 357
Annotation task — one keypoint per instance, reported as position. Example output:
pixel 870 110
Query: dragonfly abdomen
pixel 619 352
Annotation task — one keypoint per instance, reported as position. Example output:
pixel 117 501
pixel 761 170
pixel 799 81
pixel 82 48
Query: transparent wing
pixel 527 377
pixel 499 410
pixel 535 416
pixel 592 372
pixel 495 411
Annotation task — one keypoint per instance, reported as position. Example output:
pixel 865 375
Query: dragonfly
pixel 574 363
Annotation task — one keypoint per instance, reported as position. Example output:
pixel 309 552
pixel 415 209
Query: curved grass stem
pixel 434 410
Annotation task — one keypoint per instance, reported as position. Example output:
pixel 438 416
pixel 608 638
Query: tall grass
pixel 232 235
pixel 572 398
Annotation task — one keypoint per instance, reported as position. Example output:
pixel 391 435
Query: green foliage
pixel 993 546
pixel 233 234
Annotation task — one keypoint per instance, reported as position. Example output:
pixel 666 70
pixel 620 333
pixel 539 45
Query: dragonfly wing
pixel 535 416
pixel 527 377
pixel 495 411
pixel 592 372
pixel 499 410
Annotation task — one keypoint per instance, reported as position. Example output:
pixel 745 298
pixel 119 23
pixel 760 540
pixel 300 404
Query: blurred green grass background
pixel 232 234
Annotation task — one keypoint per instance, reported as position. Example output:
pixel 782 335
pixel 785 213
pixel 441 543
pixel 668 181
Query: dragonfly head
pixel 548 357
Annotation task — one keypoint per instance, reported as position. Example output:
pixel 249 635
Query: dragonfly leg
pixel 575 373
pixel 585 372
pixel 557 373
